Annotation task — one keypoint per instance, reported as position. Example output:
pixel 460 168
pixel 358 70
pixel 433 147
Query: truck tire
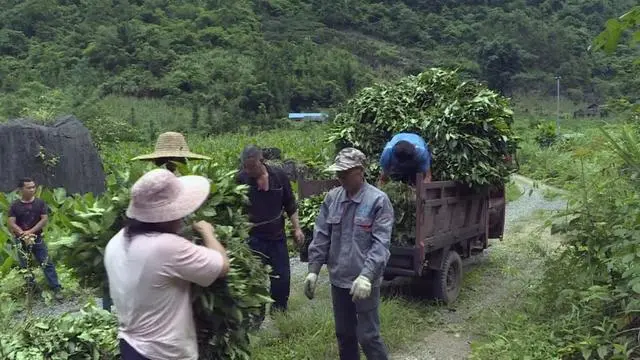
pixel 446 281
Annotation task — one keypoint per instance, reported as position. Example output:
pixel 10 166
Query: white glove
pixel 361 288
pixel 310 285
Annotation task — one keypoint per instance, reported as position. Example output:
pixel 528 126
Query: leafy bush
pixel 88 335
pixel 586 304
pixel 546 134
pixel 467 126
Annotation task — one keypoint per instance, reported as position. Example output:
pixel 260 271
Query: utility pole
pixel 558 105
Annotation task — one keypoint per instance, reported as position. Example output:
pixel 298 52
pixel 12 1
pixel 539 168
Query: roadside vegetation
pixel 558 286
pixel 585 304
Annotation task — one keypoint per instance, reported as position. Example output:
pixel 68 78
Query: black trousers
pixel 275 254
pixel 129 353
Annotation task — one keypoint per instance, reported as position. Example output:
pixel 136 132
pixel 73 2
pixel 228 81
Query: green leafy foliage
pixel 467 126
pixel 91 334
pixel 546 134
pixel 308 211
pixel 610 38
pixel 92 221
pixel 403 200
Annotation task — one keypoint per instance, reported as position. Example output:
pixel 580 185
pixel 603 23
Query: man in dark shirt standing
pixel 27 217
pixel 270 195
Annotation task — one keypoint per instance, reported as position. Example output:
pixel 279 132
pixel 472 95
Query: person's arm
pixel 211 241
pixel 382 179
pixel 381 230
pixel 197 264
pixel 427 176
pixel 425 164
pixel 289 202
pixel 15 229
pixel 385 160
pixel 319 247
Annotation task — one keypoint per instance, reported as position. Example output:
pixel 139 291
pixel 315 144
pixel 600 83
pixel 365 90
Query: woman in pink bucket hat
pixel 150 267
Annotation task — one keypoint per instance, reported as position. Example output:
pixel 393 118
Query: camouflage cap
pixel 348 158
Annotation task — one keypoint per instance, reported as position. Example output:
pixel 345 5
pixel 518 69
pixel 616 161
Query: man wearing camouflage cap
pixel 352 236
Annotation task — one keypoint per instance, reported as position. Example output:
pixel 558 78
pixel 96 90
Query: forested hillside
pixel 255 59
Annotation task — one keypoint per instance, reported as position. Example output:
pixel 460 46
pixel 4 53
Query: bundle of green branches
pixel 308 211
pixel 467 126
pixel 226 311
pixel 223 311
pixel 91 334
pixel 403 199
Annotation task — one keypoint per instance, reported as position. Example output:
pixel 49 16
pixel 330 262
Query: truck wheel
pixel 447 280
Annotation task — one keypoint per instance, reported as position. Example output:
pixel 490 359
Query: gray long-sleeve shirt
pixel 352 236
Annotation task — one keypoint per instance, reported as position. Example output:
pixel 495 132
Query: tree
pixel 499 60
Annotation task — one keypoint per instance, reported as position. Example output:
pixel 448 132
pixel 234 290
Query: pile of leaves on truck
pixel 467 126
pixel 224 311
pixel 403 199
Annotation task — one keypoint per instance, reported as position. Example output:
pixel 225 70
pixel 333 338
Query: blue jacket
pixel 422 149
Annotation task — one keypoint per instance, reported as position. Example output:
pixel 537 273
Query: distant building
pixel 308 116
pixel 593 110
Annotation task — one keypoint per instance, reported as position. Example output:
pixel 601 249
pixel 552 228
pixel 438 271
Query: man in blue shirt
pixel 404 157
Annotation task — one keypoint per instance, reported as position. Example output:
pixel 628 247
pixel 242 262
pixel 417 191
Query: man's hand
pixel 28 239
pixel 298 236
pixel 310 285
pixel 361 288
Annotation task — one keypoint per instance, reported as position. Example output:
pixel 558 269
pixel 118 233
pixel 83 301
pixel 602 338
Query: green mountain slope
pixel 267 57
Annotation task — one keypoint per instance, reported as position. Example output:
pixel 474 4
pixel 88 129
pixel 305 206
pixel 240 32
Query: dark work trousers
pixel 275 254
pixel 358 322
pixel 106 297
pixel 127 352
pixel 40 251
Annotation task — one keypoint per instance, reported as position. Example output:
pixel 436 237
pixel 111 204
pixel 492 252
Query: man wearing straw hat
pixel 171 148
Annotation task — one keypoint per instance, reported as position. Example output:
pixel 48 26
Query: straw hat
pixel 160 196
pixel 171 145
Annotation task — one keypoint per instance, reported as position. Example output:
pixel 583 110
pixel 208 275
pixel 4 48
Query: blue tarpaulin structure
pixel 308 116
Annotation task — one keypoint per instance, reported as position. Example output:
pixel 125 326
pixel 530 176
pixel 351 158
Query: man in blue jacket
pixel 406 155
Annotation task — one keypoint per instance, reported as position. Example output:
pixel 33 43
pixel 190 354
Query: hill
pixel 256 59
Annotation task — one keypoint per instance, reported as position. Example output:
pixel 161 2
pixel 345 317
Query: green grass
pixel 304 142
pixel 307 331
pixel 582 153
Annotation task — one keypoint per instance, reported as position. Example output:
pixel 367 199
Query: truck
pixel 454 222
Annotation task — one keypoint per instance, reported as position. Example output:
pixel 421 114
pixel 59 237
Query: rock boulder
pixel 60 155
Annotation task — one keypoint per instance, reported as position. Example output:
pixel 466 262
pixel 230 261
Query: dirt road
pixel 492 280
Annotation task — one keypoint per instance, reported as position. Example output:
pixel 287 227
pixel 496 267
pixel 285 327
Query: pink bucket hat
pixel 160 196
